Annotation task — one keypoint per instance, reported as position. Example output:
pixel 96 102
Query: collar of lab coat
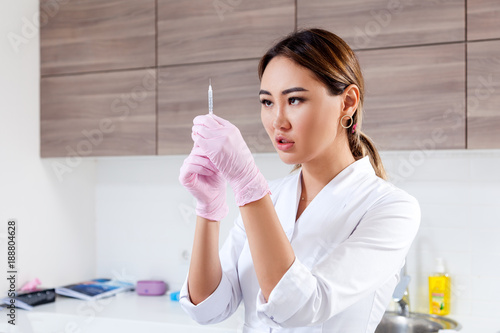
pixel 334 195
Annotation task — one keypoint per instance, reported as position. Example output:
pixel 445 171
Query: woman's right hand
pixel 202 179
pixel 224 145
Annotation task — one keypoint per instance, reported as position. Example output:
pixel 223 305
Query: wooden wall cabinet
pixel 199 31
pixel 141 67
pixel 483 74
pixel 96 35
pixel 183 96
pixel 415 96
pixel 99 114
pixel 483 98
pixel 483 19
pixel 92 101
pixel 366 24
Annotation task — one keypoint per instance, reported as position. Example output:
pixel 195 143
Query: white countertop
pixel 125 312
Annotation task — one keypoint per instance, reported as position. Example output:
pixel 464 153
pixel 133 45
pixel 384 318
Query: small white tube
pixel 210 98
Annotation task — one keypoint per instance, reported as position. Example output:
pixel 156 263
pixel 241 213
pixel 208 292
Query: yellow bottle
pixel 439 290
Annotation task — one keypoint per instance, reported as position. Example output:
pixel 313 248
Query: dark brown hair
pixel 336 66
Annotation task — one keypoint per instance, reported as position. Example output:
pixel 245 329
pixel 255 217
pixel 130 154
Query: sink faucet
pixel 401 293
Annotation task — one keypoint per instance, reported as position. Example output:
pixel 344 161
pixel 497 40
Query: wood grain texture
pixel 99 114
pixel 212 30
pixel 381 23
pixel 483 19
pixel 415 97
pixel 95 35
pixel 182 95
pixel 483 97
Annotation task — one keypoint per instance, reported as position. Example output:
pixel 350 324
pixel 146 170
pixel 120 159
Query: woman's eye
pixel 266 102
pixel 294 100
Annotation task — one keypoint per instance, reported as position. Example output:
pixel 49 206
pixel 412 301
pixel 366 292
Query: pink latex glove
pixel 202 179
pixel 31 285
pixel 223 144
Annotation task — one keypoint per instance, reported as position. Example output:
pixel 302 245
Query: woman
pixel 323 252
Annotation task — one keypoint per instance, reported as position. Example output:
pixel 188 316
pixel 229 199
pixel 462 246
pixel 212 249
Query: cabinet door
pixel 381 23
pixel 483 98
pixel 415 97
pixel 200 31
pixel 182 95
pixel 483 19
pixel 95 35
pixel 99 114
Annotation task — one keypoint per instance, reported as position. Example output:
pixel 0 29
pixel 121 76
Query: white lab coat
pixel 350 244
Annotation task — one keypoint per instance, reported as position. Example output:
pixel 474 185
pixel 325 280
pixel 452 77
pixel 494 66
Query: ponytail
pixel 361 145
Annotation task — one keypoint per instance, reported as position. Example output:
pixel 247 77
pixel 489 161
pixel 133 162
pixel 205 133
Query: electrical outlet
pixel 185 256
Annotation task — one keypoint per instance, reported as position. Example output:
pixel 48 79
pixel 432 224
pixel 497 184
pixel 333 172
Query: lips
pixel 283 143
pixel 283 139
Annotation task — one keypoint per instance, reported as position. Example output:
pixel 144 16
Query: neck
pixel 316 174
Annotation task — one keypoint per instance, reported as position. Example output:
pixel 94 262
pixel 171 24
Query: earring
pixel 342 120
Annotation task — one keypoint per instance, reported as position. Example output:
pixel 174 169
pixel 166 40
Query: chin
pixel 288 158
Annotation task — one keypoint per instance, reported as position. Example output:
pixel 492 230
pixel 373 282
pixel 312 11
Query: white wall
pixel 56 215
pixel 145 220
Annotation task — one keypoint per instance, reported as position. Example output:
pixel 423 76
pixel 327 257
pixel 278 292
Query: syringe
pixel 210 98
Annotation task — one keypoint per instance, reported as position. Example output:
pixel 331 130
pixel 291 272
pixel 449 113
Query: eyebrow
pixel 284 92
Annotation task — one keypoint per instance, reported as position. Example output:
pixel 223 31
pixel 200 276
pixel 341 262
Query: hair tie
pixel 354 128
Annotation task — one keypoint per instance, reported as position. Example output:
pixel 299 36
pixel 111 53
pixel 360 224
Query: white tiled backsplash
pixel 145 223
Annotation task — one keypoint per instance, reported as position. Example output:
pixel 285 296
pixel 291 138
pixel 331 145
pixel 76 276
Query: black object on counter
pixel 28 300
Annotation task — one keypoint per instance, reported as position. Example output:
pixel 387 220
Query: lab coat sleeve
pixel 372 254
pixel 224 301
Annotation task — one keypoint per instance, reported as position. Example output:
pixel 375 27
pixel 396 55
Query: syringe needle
pixel 210 97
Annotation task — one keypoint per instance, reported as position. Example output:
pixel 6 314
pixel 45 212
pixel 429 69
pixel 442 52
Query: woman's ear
pixel 350 99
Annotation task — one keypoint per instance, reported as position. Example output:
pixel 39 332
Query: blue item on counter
pixel 174 296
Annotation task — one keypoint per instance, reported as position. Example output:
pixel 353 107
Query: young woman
pixel 321 249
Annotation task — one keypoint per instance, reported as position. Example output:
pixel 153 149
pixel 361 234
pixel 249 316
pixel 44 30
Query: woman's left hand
pixel 200 177
pixel 225 147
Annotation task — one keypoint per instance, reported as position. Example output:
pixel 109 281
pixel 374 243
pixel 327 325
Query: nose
pixel 280 120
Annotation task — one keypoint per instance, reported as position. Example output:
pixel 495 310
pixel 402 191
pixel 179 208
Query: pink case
pixel 151 287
